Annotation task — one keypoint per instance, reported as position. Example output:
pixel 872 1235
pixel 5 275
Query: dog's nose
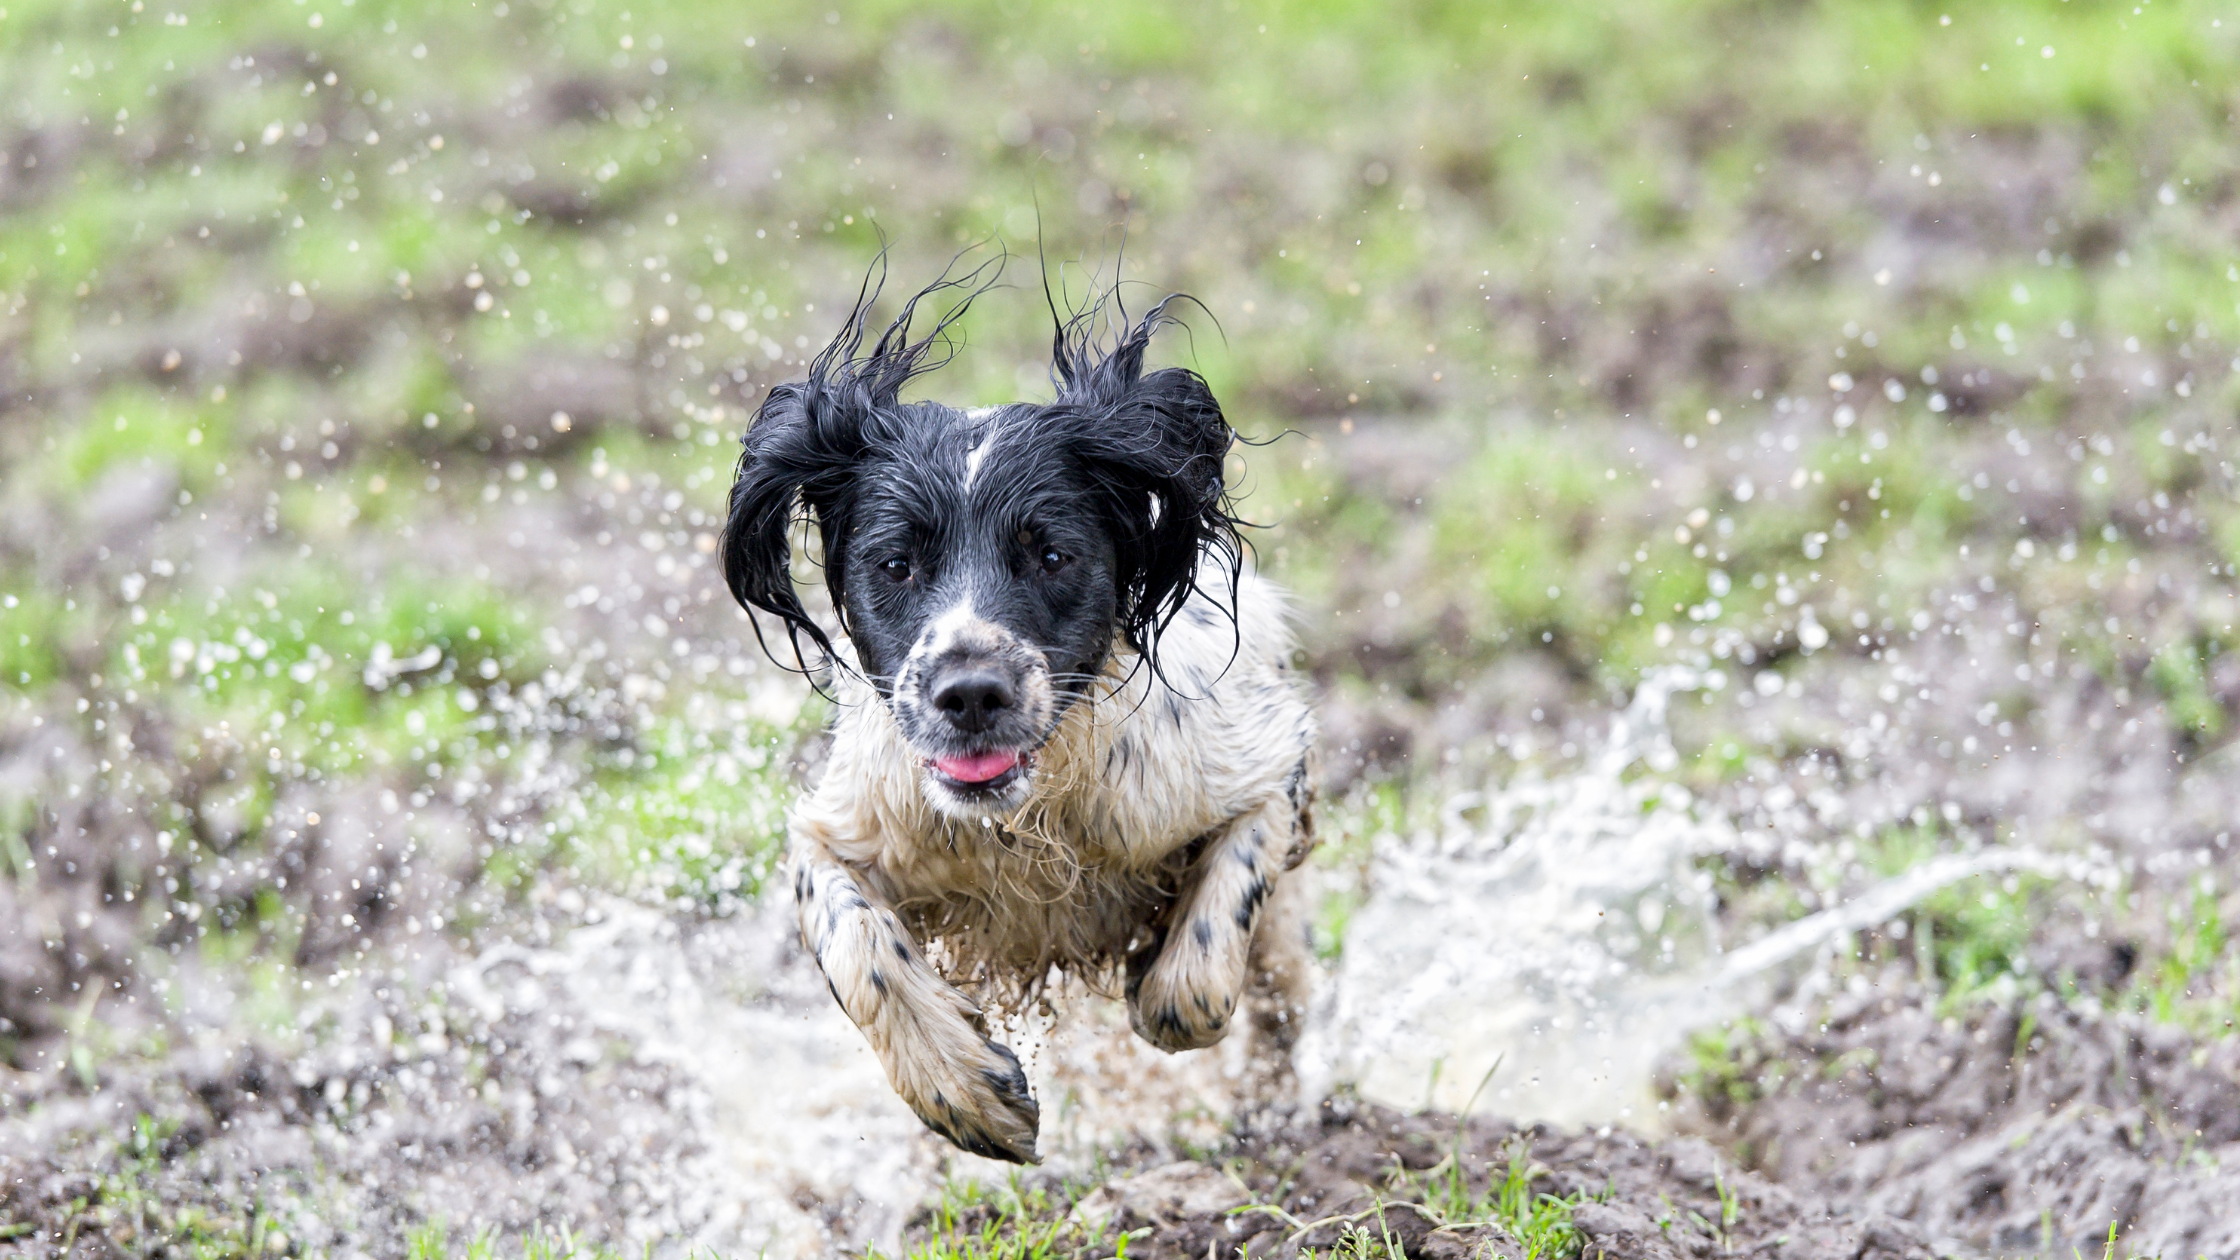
pixel 973 699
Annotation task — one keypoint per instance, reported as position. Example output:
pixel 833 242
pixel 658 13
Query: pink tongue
pixel 978 769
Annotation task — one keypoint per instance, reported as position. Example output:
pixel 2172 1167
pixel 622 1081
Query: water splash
pixel 1555 924
pixel 1562 926
pixel 800 1147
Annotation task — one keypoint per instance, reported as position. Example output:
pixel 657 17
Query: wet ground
pixel 2009 1129
pixel 1767 565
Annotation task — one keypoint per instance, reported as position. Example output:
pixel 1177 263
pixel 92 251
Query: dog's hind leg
pixel 930 1038
pixel 1184 987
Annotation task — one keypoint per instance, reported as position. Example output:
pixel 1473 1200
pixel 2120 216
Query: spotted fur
pixel 1143 815
pixel 1068 739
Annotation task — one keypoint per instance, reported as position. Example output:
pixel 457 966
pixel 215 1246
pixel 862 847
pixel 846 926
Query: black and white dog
pixel 1067 733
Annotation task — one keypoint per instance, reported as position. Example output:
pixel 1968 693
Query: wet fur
pixel 1075 876
pixel 1162 788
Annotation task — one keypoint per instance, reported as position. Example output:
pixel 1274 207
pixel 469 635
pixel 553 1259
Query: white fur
pixel 956 624
pixel 1101 856
pixel 979 451
pixel 974 457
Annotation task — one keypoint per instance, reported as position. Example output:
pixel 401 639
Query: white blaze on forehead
pixel 979 451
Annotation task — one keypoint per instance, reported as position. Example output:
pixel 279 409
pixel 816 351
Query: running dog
pixel 1068 735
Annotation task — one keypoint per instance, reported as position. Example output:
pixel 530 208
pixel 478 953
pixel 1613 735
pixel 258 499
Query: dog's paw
pixel 983 1105
pixel 1174 1002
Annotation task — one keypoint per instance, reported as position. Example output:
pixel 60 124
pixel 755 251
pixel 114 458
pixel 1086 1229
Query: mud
pixel 2030 1128
pixel 613 1069
pixel 397 1115
pixel 320 1024
pixel 1353 1168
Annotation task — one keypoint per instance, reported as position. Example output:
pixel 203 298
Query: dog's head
pixel 983 563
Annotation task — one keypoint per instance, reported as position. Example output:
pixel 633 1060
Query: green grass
pixel 433 1241
pixel 1538 1220
pixel 1515 75
pixel 1349 831
pixel 129 1207
pixel 2180 673
pixel 975 1221
pixel 696 815
pixel 337 679
pixel 2195 982
pixel 36 628
pixel 1527 520
pixel 1976 935
pixel 1359 1242
pixel 1971 940
pixel 1364 290
pixel 133 425
pixel 1727 1066
pixel 1550 244
pixel 1970 944
pixel 304 675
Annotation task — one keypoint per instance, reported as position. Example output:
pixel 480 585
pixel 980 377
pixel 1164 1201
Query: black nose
pixel 973 699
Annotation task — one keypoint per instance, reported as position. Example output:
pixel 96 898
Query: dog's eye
pixel 1054 560
pixel 897 568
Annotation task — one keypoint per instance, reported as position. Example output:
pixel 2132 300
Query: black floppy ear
pixel 809 438
pixel 797 457
pixel 1157 446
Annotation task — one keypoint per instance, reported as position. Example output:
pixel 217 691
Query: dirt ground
pixel 1346 1169
pixel 386 783
pixel 2021 1129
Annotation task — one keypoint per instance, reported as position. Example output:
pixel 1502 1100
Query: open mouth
pixel 981 772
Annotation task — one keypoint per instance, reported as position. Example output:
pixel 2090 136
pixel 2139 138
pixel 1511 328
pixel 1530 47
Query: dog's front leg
pixel 1183 987
pixel 929 1037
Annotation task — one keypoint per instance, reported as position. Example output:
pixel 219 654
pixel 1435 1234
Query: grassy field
pixel 370 375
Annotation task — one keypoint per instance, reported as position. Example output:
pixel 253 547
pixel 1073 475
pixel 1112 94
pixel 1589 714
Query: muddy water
pixel 1559 926
pixel 791 1108
pixel 800 1144
pixel 803 1146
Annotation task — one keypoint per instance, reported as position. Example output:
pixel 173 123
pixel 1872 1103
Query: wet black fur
pixel 1123 471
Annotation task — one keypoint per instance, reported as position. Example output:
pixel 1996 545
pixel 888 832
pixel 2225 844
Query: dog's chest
pixel 1001 905
pixel 1127 784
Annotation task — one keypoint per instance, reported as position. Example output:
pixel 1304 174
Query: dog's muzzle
pixel 975 714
